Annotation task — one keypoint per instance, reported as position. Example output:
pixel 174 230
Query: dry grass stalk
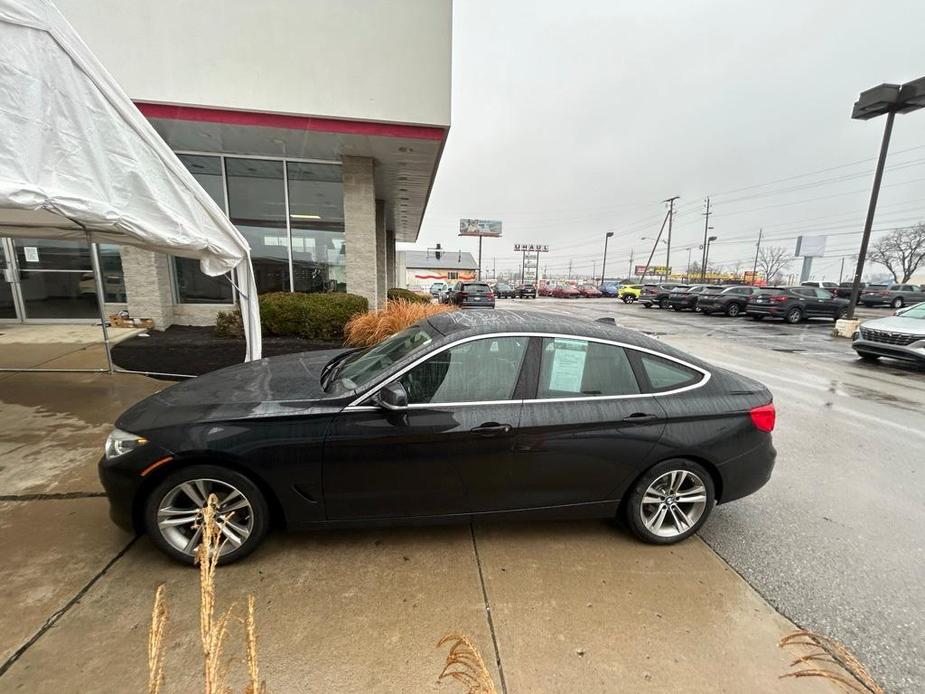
pixel 211 632
pixel 465 665
pixel 156 641
pixel 370 328
pixel 828 650
pixel 254 685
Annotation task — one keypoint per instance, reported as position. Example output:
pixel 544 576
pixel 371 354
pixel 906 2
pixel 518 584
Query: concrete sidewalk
pixel 553 607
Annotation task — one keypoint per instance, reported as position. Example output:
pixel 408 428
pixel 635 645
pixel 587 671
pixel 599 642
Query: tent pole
pixel 101 299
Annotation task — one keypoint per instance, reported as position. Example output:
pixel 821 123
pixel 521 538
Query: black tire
pixel 633 506
pixel 259 509
pixel 867 356
pixel 663 304
pixel 840 314
pixel 756 316
pixel 794 315
pixel 705 312
pixel 733 310
pixel 647 305
pixel 897 302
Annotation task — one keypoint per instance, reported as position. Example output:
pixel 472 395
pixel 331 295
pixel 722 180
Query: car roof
pixel 457 324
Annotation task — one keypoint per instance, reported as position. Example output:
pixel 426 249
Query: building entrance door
pixel 47 280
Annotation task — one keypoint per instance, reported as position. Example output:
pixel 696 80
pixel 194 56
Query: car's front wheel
pixel 670 502
pixel 173 512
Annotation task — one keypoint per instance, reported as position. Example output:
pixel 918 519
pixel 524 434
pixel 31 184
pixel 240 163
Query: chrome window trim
pixel 355 406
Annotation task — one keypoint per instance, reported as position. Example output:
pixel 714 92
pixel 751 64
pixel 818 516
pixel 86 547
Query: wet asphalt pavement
pixel 835 541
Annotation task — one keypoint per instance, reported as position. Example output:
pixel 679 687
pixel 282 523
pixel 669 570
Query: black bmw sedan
pixel 463 416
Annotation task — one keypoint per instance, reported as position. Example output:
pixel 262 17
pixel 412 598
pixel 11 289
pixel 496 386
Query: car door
pixel 412 462
pixel 825 304
pixel 584 430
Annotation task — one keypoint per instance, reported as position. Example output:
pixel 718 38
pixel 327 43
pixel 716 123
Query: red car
pixel 566 291
pixel 544 290
pixel 589 291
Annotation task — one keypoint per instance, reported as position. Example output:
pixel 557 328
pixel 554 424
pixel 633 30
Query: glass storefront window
pixel 194 286
pixel 256 206
pixel 111 269
pixel 316 213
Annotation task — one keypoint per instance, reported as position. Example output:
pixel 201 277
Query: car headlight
pixel 121 442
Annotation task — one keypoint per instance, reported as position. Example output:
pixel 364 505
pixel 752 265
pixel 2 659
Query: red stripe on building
pixel 276 120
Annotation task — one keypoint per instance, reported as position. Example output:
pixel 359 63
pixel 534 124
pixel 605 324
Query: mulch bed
pixel 183 349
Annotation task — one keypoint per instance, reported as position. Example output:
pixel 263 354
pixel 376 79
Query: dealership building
pixel 316 125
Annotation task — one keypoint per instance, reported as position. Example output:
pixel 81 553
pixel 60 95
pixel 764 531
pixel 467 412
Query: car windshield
pixel 476 288
pixel 917 311
pixel 362 367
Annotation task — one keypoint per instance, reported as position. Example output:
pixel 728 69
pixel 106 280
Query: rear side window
pixel 574 368
pixel 664 374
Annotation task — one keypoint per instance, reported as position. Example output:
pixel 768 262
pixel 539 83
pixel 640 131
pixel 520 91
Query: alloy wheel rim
pixel 673 504
pixel 179 515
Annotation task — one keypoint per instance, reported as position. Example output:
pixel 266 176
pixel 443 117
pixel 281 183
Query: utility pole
pixel 706 231
pixel 630 272
pixel 757 249
pixel 841 271
pixel 570 268
pixel 594 271
pixel 604 264
pixel 658 238
pixel 689 264
pixel 670 202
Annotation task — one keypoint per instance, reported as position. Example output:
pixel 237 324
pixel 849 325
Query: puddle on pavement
pixel 789 350
pixel 852 389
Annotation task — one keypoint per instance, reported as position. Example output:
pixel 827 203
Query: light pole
pixel 604 264
pixel 888 99
pixel 706 255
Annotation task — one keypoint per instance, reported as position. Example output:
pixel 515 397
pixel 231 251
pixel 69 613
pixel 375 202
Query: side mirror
pixel 393 397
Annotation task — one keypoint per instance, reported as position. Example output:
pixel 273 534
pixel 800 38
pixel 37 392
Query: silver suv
pixel 894 295
pixel 901 336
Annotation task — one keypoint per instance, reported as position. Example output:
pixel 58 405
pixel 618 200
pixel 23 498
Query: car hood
pixel 266 387
pixel 897 324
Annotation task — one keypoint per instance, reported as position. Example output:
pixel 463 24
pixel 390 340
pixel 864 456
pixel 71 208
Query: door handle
pixel 640 418
pixel 491 429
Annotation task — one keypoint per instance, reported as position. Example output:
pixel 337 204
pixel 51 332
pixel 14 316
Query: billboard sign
pixel 531 248
pixel 810 246
pixel 480 227
pixel 653 270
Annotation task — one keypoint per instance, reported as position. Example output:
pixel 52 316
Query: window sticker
pixel 568 365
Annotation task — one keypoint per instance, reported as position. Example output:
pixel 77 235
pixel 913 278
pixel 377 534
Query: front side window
pixel 476 371
pixel 575 368
pixel 823 294
pixel 665 374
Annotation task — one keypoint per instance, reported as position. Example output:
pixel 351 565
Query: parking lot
pixel 831 543
pixel 832 540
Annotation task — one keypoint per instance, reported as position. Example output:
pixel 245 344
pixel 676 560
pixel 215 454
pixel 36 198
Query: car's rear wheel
pixel 794 315
pixel 756 316
pixel 733 310
pixel 173 512
pixel 841 314
pixel 897 302
pixel 670 502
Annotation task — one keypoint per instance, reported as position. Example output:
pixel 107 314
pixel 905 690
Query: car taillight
pixel 490 295
pixel 462 295
pixel 883 293
pixel 764 417
pixel 779 298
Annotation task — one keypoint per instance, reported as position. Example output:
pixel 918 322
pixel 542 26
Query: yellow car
pixel 630 292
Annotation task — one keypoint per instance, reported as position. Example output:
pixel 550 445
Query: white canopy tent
pixel 79 161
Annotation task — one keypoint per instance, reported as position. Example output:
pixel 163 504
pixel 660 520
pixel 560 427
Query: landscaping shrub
pixel 317 317
pixel 370 328
pixel 397 293
pixel 229 324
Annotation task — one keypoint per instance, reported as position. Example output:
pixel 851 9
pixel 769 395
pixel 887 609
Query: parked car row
pixel 791 304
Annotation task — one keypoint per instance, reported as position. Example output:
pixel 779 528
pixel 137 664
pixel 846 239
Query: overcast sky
pixel 571 119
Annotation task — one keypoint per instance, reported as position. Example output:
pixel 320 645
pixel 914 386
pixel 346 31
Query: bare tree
pixel 771 260
pixel 902 251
